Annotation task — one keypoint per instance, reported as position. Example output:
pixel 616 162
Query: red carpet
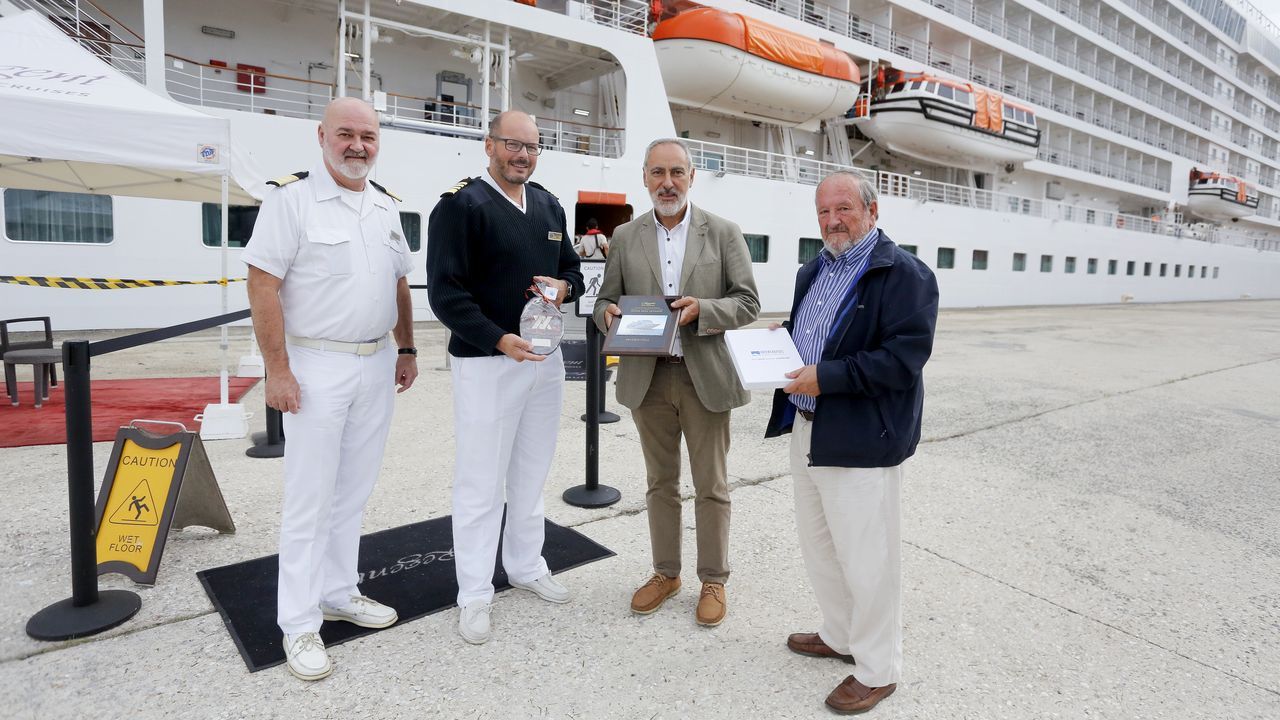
pixel 115 403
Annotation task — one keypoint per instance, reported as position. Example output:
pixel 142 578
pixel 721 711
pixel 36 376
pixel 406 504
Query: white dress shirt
pixel 494 184
pixel 339 254
pixel 671 247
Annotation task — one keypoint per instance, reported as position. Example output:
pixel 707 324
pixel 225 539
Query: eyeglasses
pixel 515 145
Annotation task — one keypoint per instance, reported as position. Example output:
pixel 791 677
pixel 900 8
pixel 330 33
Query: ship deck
pixel 1089 530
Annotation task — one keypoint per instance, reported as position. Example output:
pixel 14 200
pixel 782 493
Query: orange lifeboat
pixel 1219 198
pixel 730 63
pixel 947 121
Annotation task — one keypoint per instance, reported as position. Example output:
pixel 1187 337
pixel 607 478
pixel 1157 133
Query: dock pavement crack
pixel 1090 618
pixel 1099 398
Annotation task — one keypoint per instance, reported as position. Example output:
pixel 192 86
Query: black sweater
pixel 482 254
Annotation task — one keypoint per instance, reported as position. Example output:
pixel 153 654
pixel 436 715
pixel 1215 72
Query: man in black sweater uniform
pixel 489 238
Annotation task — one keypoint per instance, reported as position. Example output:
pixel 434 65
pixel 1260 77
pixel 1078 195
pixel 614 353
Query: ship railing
pixel 246 90
pixel 746 162
pixel 1103 168
pixel 258 92
pixel 95 29
pixel 628 15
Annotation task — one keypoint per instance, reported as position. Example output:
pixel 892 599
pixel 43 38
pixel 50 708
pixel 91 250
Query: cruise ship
pixel 1029 151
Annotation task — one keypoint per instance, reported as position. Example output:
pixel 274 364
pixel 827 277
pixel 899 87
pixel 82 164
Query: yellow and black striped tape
pixel 103 283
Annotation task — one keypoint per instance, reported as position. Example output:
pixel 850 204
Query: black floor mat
pixel 409 568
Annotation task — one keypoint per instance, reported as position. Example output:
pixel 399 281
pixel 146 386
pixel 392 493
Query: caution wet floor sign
pixel 153 483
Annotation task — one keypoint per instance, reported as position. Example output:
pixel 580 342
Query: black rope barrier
pixel 124 342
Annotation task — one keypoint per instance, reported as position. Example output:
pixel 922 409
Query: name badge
pixel 554 236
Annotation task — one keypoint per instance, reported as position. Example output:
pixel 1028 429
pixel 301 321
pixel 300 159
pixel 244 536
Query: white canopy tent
pixel 72 123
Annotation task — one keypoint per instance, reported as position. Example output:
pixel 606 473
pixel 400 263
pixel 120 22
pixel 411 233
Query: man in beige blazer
pixel 678 249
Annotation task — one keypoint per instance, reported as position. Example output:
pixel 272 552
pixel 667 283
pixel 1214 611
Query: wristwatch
pixel 407 351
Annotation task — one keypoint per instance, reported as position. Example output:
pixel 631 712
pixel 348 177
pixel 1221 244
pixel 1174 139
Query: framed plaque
pixel 648 326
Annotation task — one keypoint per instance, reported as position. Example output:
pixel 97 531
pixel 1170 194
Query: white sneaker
pixel 362 611
pixel 306 656
pixel 473 622
pixel 546 588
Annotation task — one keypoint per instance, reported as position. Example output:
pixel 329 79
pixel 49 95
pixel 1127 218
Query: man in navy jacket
pixel 863 319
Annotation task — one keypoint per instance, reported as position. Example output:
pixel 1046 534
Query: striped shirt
pixel 824 304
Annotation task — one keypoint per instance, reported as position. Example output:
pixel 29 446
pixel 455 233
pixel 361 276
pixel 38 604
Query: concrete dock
pixel 1091 529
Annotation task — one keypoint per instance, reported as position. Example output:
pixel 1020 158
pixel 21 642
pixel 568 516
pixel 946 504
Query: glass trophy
pixel 541 322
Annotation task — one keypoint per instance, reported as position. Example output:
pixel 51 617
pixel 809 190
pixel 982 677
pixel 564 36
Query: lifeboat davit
pixel 1219 198
pixel 946 122
pixel 737 65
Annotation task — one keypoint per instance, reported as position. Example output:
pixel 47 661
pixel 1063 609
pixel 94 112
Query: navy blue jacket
pixel 870 375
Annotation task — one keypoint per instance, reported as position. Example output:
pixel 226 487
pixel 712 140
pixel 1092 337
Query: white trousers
pixel 506 417
pixel 331 460
pixel 849 522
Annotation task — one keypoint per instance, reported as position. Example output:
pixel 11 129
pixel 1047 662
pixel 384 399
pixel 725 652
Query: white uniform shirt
pixel 671 247
pixel 494 184
pixel 339 254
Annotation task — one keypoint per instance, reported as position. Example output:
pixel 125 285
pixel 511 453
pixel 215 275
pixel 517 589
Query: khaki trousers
pixel 849 522
pixel 671 408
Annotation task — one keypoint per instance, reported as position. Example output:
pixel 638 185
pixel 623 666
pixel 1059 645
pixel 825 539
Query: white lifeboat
pixel 1219 198
pixel 737 65
pixel 947 122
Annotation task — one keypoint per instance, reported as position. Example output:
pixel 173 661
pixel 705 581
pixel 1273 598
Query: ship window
pixel 809 249
pixel 916 85
pixel 43 216
pixel 1177 271
pixel 898 87
pixel 946 258
pixel 1215 272
pixel 979 259
pixel 1112 266
pixel 1089 215
pixel 931 88
pixel 240 220
pixel 1146 269
pixel 1070 265
pixel 961 96
pixel 1019 262
pixel 1164 269
pixel 412 224
pixel 946 92
pixel 1130 267
pixel 1092 267
pixel 910 248
pixel 759 247
pixel 1191 271
pixel 1046 263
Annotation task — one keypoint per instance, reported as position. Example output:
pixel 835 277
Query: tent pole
pixel 222 377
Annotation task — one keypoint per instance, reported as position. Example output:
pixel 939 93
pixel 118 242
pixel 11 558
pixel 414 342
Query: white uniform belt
pixel 355 348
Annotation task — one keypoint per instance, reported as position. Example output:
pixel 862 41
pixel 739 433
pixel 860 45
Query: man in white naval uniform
pixel 327 280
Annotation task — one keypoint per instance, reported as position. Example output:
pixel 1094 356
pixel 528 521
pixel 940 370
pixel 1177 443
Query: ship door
pixel 608 210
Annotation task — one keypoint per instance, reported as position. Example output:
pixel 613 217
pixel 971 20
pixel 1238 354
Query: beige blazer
pixel 716 271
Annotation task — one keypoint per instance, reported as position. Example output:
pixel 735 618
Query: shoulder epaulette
pixel 282 181
pixel 385 191
pixel 530 182
pixel 461 184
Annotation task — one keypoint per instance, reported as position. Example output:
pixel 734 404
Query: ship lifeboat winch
pixel 733 64
pixel 1219 198
pixel 946 122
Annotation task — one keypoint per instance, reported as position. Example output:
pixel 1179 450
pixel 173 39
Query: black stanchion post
pixel 269 444
pixel 87 611
pixel 592 494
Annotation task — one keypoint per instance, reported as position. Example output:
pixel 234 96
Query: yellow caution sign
pixel 153 483
pixel 103 283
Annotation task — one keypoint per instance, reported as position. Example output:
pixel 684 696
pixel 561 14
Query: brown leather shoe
pixel 851 697
pixel 711 605
pixel 653 593
pixel 811 644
